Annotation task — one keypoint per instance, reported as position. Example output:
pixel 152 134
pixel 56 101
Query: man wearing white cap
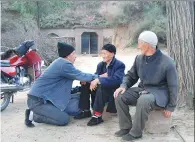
pixel 157 88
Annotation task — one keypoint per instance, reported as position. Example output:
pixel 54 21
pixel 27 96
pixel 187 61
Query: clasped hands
pixel 95 82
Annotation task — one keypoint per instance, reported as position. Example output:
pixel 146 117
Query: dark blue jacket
pixel 115 72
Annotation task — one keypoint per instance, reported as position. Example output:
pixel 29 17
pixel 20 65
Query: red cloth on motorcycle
pixel 64 49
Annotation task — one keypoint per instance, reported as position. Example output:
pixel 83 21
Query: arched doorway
pixel 89 43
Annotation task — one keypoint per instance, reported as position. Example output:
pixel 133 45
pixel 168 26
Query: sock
pixel 98 114
pixel 31 116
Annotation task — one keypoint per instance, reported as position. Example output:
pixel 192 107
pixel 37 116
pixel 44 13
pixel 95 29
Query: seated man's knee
pixel 85 86
pixel 99 90
pixel 121 99
pixel 125 98
pixel 145 100
pixel 118 98
pixel 99 87
pixel 102 87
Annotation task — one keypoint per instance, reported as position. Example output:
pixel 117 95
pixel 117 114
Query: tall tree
pixel 180 42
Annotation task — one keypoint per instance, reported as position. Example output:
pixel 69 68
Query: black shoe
pixel 95 120
pixel 121 132
pixel 27 122
pixel 129 137
pixel 83 114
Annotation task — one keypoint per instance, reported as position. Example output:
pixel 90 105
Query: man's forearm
pixel 129 80
pixel 172 81
pixel 172 98
pixel 124 83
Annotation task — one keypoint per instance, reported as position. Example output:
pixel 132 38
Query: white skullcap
pixel 149 37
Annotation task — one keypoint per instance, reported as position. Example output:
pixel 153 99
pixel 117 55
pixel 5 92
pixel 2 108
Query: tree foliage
pixel 67 14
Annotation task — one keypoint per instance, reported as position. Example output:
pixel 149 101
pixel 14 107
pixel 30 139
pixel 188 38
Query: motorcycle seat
pixel 4 63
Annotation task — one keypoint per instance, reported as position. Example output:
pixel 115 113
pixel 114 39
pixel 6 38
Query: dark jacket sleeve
pixel 172 81
pixel 131 77
pixel 99 66
pixel 115 79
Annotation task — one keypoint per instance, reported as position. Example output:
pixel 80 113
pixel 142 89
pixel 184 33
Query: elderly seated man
pixel 157 89
pixel 111 72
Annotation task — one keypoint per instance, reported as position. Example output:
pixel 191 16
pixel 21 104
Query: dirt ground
pixel 14 130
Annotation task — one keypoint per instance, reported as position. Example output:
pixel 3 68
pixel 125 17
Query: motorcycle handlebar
pixel 23 48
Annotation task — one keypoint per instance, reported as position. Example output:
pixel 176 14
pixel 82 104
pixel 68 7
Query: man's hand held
pixel 94 84
pixel 167 113
pixel 118 91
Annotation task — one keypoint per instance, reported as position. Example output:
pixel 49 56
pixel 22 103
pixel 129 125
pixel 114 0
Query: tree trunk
pixel 180 43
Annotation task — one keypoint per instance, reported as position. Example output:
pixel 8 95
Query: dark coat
pixel 115 72
pixel 158 76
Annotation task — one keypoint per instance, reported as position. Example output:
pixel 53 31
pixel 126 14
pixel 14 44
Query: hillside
pixel 22 20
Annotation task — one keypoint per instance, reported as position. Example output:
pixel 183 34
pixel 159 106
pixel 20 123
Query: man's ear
pixel 113 54
pixel 67 57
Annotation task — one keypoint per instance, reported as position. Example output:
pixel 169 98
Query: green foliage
pixel 55 14
pixel 154 19
pixel 151 14
pixel 25 8
pixel 145 25
pixel 68 14
pixel 130 11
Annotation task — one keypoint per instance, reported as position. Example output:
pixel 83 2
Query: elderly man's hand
pixel 167 113
pixel 94 84
pixel 104 75
pixel 118 91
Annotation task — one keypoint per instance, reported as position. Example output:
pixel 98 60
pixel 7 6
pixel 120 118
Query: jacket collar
pixel 112 62
pixel 63 59
pixel 157 54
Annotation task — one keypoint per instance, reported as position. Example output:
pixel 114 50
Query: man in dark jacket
pixel 157 89
pixel 50 100
pixel 111 72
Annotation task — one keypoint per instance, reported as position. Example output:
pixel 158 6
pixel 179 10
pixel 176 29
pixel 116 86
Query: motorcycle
pixel 19 68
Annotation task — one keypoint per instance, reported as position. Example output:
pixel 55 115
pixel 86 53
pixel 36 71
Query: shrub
pixel 154 20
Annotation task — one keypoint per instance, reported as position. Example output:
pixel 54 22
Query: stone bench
pixel 158 123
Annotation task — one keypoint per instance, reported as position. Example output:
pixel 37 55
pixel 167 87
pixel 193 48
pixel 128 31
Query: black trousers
pixel 99 98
